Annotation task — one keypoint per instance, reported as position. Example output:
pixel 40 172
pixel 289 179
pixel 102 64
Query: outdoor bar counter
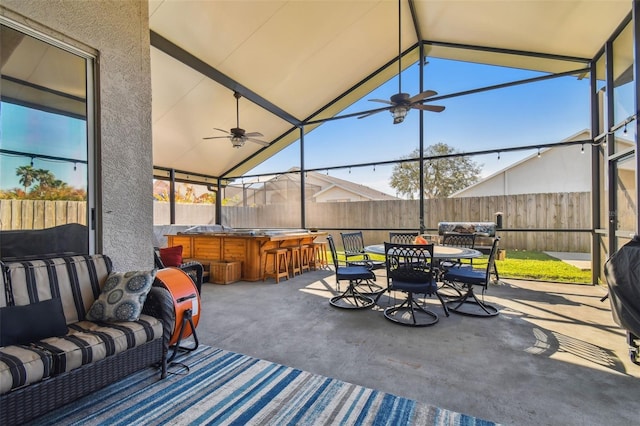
pixel 245 245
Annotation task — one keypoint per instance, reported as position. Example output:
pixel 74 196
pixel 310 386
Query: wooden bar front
pixel 245 248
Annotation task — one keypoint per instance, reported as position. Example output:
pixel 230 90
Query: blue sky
pixel 53 135
pixel 538 113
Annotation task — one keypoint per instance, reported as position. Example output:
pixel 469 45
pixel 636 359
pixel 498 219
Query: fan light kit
pixel 237 135
pixel 401 102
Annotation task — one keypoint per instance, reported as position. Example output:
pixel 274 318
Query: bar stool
pixel 294 254
pixel 320 255
pixel 307 254
pixel 279 262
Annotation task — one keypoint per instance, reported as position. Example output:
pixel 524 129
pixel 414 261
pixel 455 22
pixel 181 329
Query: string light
pixel 31 161
pixel 498 155
pixel 75 167
pixel 538 152
pixel 582 149
pixel 374 167
pixel 349 170
pixel 624 132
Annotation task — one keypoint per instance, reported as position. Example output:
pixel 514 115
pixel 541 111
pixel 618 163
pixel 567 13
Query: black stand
pixel 187 317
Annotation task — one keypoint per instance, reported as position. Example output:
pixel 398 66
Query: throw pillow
pixel 171 256
pixel 122 296
pixel 21 325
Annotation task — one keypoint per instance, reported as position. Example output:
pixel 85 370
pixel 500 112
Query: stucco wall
pixel 119 32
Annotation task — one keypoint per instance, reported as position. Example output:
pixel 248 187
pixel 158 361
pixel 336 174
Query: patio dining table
pixel 439 252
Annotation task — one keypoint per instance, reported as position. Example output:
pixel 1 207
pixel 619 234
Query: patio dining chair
pixel 355 255
pixel 455 239
pixel 410 270
pixel 351 298
pixel 466 278
pixel 353 243
pixel 403 237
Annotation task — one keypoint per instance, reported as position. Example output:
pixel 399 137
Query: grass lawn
pixel 540 266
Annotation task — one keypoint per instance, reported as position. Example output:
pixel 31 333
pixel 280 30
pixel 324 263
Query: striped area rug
pixel 226 388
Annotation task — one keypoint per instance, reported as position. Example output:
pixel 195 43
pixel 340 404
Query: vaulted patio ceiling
pixel 298 60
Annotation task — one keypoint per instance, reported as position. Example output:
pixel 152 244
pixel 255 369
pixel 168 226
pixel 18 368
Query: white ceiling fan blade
pixel 258 141
pixel 221 130
pixel 423 95
pixel 384 101
pixel 217 137
pixel 254 134
pixel 432 108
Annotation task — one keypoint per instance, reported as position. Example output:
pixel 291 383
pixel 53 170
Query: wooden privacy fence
pixel 552 212
pixel 40 214
pixel 546 215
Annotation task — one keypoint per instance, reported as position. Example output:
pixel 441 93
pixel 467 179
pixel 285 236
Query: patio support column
pixel 302 181
pixel 610 149
pixel 635 21
pixel 172 197
pixel 421 138
pixel 219 202
pixel 595 179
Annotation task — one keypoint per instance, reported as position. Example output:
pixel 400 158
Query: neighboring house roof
pixel 355 188
pixel 331 188
pixel 555 170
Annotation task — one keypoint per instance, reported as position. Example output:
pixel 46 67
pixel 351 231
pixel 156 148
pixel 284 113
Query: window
pixel 46 122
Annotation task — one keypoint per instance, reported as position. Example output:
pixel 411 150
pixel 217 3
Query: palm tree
pixel 27 175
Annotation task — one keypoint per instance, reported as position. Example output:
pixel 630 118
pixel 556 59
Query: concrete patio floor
pixel 553 356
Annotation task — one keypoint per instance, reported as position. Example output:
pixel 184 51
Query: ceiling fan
pixel 401 102
pixel 237 135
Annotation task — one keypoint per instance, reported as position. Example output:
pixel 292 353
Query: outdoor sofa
pixel 51 353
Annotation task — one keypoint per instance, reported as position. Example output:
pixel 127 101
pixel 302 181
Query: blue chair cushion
pixel 426 287
pixel 354 273
pixel 466 275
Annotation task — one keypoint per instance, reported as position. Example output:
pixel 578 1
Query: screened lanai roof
pixel 300 60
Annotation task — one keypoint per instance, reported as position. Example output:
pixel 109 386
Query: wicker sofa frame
pixel 37 399
pixel 27 403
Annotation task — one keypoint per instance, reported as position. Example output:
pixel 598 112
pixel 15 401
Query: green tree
pixel 27 175
pixel 46 183
pixel 44 186
pixel 442 176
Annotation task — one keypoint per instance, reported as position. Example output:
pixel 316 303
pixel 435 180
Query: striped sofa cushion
pixel 23 365
pixel 85 343
pixel 76 280
pixel 88 342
